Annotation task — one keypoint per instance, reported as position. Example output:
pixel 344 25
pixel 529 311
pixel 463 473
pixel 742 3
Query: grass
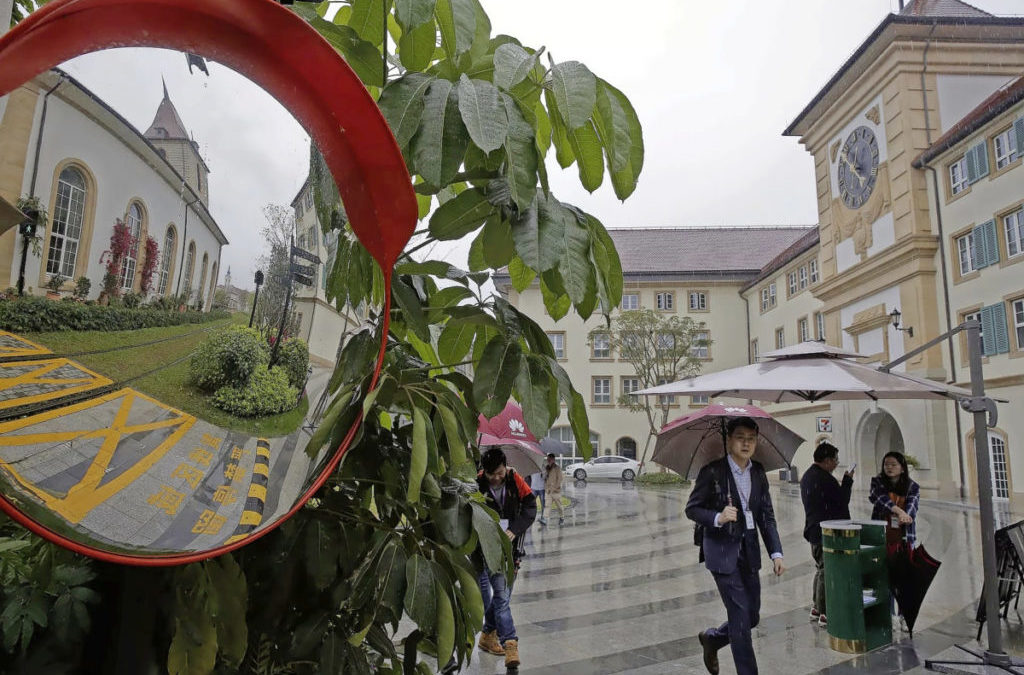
pixel 667 478
pixel 132 357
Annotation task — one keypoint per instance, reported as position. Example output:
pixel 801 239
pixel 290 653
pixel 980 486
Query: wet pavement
pixel 618 589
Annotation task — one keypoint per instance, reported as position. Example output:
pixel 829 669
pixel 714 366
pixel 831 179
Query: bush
pixel 228 358
pixel 293 357
pixel 266 393
pixel 82 288
pixel 33 314
pixel 131 299
pixel 666 478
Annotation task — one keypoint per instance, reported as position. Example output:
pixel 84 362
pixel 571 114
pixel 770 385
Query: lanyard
pixel 499 497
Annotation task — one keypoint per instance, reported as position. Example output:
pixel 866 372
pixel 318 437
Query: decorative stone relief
pixel 857 224
pixel 873 115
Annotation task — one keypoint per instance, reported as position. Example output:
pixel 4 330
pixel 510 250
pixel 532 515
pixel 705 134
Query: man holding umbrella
pixel 731 501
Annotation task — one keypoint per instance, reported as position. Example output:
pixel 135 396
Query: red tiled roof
pixel 1002 99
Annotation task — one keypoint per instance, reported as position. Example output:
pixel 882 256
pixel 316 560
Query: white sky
pixel 714 85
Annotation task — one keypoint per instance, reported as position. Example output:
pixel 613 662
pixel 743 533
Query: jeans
pixel 540 498
pixel 497 611
pixel 819 578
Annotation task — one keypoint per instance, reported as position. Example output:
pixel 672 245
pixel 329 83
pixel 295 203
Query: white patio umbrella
pixel 810 371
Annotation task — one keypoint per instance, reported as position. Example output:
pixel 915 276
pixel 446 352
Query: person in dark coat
pixel 731 501
pixel 509 494
pixel 824 498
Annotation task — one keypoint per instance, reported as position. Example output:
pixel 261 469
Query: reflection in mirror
pixel 138 413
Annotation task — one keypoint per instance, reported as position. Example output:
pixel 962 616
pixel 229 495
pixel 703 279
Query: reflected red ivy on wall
pixel 121 241
pixel 149 264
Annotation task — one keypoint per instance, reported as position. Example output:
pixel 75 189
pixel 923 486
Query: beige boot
pixel 489 643
pixel 511 653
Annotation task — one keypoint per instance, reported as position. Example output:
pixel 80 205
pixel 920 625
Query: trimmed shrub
pixel 266 393
pixel 33 314
pixel 293 357
pixel 667 478
pixel 228 358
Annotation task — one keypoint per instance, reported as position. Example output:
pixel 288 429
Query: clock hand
pixel 853 166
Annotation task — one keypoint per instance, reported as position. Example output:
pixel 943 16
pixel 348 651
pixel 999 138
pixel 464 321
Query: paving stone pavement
pixel 618 589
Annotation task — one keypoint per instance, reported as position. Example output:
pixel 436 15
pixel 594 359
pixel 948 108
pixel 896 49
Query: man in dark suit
pixel 731 502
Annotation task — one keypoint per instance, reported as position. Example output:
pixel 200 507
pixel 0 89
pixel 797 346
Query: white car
pixel 608 466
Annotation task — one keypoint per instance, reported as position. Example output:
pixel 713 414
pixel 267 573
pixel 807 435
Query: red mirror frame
pixel 258 39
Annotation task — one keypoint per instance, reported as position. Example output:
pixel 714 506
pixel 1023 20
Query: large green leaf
pixel 543 129
pixel 455 341
pixel 458 217
pixel 416 46
pixel 322 546
pixel 575 89
pixel 445 624
pixel 624 180
pixel 609 267
pixel 586 146
pixel 457 20
pixel 612 125
pixel 440 143
pixel 367 20
pixel 538 237
pixel 477 63
pixel 490 536
pixel 421 593
pixel 522 276
pixel 413 13
pixel 230 595
pixel 483 112
pixel 521 156
pixel 454 522
pixel 470 587
pixel 580 424
pixel 334 653
pixel 533 386
pixel 391 573
pixel 402 103
pixel 571 242
pixel 495 374
pixel 477 261
pixel 556 300
pixel 362 56
pixel 512 64
pixel 559 133
pixel 193 649
pixel 412 310
pixel 418 460
pixel 499 247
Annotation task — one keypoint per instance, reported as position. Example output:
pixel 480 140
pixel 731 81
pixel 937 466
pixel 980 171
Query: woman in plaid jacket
pixel 895 498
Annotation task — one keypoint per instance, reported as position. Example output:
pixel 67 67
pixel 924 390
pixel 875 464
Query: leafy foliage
pixel 229 357
pixel 293 358
pixel 265 392
pixel 39 315
pixel 149 264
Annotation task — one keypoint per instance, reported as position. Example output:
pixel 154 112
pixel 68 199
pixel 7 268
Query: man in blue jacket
pixel 731 501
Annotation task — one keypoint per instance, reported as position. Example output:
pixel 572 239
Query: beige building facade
pixel 918 93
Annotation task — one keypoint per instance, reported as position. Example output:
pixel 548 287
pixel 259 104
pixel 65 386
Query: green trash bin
pixel 856 585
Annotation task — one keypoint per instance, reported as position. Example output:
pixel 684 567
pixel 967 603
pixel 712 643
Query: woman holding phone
pixel 895 497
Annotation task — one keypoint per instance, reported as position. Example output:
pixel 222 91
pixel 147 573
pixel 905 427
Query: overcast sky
pixel 714 85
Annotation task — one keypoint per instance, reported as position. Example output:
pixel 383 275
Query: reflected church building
pixel 89 167
pixel 917 143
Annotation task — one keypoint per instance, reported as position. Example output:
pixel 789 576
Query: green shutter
pixel 988 330
pixel 986 245
pixel 977 162
pixel 1001 336
pixel 1018 131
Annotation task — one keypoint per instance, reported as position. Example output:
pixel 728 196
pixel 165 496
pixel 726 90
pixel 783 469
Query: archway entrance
pixel 877 434
pixel 626 447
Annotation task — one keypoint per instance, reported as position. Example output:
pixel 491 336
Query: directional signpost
pixel 305 255
pixel 302 274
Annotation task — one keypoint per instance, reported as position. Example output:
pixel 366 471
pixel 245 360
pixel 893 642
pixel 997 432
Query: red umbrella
pixel 688 443
pixel 508 429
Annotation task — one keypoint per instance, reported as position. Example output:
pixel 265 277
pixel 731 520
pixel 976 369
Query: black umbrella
pixel 911 571
pixel 554 446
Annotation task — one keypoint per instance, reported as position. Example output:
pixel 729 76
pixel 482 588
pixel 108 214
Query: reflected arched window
pixel 68 217
pixel 166 260
pixel 133 220
pixel 213 283
pixel 202 279
pixel 190 259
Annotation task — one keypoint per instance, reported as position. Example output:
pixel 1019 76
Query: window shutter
pixel 1018 131
pixel 980 152
pixel 988 329
pixel 971 163
pixel 986 245
pixel 1000 336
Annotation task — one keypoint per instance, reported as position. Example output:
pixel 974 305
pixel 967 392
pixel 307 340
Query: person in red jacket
pixel 509 494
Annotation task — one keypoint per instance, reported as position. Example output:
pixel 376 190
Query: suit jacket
pixel 722 545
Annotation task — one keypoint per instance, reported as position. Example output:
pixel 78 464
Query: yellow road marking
pixel 37 376
pixel 32 349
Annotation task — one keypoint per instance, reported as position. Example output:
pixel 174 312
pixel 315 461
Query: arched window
pixel 202 279
pixel 213 283
pixel 167 260
pixel 133 219
pixel 68 217
pixel 626 447
pixel 565 435
pixel 190 259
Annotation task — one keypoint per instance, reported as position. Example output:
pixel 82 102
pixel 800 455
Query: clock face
pixel 858 167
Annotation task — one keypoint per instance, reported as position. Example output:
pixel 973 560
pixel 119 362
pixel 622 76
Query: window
pixel 771 295
pixel 199 177
pixel 975 316
pixel 699 399
pixel 600 347
pixel 1006 148
pixel 133 220
pixel 665 399
pixel 753 351
pixel 565 435
pixel 791 277
pixel 665 301
pixel 190 259
pixel 819 322
pixel 813 265
pixel 602 390
pixel 202 279
pixel 780 338
pixel 630 384
pixel 1013 225
pixel 1018 322
pixel 698 300
pixel 166 260
pixel 802 273
pixel 558 344
pixel 1000 474
pixel 966 252
pixel 700 348
pixel 665 342
pixel 298 209
pixel 68 217
pixel 802 330
pixel 309 199
pixel 958 176
pixel 768 297
pixel 633 345
pixel 764 299
pixel 630 301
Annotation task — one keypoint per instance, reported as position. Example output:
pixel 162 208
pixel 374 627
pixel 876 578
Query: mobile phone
pixel 852 468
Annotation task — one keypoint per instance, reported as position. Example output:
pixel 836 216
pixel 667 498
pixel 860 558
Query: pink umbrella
pixel 508 429
pixel 688 443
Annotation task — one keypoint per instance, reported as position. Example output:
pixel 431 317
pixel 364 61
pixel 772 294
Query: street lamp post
pixel 256 296
pixel 27 228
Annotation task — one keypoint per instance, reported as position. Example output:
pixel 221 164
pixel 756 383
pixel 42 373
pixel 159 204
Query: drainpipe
pixel 184 244
pixel 942 260
pixel 39 137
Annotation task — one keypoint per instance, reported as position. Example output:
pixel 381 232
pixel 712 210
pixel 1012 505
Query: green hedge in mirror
pixel 229 358
pixel 40 315
pixel 267 392
pixel 293 358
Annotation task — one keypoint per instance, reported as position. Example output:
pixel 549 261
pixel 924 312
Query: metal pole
pixel 255 298
pixel 994 654
pixel 21 268
pixel 287 302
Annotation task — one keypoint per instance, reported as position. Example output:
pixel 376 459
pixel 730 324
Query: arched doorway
pixel 877 434
pixel 626 447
